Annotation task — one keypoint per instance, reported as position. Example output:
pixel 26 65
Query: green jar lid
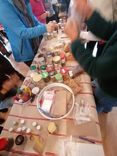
pixel 58 76
pixel 43 67
pixel 33 67
pixel 44 75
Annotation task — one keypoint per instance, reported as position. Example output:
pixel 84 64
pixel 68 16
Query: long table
pixel 67 126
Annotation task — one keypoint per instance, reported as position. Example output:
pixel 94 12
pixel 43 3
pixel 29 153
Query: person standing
pixel 38 8
pixel 49 7
pixel 102 68
pixel 22 28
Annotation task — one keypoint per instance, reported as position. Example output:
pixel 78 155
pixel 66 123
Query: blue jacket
pixel 18 31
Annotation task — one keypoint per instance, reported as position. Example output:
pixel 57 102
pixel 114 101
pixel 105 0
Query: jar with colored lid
pixel 51 72
pixel 50 67
pixel 64 70
pixel 45 76
pixel 59 77
pixel 42 61
pixel 43 68
pixel 63 59
pixel 37 77
pixel 49 58
pixel 33 67
pixel 56 59
pixel 57 68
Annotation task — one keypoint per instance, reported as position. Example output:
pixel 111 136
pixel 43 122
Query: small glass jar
pixel 45 77
pixel 43 68
pixel 49 37
pixel 33 67
pixel 50 69
pixel 45 36
pixel 41 61
pixel 59 77
pixel 63 59
pixel 56 59
pixel 57 68
pixel 64 71
pixel 55 34
pixel 49 58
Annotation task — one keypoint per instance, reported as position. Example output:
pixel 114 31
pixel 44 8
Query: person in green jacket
pixel 103 67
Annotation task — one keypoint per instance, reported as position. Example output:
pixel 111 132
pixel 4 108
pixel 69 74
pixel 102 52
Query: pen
pixel 86 139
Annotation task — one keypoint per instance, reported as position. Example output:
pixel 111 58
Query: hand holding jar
pixel 51 26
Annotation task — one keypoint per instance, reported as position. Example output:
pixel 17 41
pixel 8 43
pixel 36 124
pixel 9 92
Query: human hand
pixel 44 15
pixel 48 13
pixel 51 26
pixel 71 29
pixel 83 8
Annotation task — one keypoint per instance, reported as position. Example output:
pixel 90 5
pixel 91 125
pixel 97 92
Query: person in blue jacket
pixel 22 28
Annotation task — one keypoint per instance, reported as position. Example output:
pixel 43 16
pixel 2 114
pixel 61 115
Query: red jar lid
pixel 62 55
pixel 64 70
pixel 3 143
pixel 49 69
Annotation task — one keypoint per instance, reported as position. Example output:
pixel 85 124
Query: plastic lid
pixel 19 140
pixel 56 58
pixel 41 59
pixel 3 143
pixel 35 90
pixel 62 55
pixel 33 74
pixel 33 67
pixel 44 74
pixel 37 78
pixel 43 67
pixel 58 76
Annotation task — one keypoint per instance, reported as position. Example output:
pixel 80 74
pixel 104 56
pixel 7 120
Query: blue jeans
pixel 104 103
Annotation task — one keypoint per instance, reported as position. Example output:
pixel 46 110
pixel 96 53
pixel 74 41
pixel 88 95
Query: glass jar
pixel 55 34
pixel 63 59
pixel 56 59
pixel 59 77
pixel 50 69
pixel 45 76
pixel 43 68
pixel 41 61
pixel 49 58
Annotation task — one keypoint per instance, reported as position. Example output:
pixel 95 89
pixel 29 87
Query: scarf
pixel 21 6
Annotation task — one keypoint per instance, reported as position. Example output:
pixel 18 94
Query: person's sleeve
pixel 103 66
pixel 8 102
pixel 100 27
pixel 13 23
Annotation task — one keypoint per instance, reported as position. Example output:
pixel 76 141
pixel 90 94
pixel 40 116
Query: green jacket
pixel 104 66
